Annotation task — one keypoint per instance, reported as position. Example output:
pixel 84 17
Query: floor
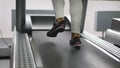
pixel 5 63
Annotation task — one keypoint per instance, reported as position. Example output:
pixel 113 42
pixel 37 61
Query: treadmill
pixel 33 49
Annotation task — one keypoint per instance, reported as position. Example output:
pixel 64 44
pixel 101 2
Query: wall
pixel 94 6
pixel 7 5
pixel 5 17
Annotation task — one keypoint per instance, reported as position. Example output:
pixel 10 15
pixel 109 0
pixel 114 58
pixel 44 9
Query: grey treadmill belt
pixel 57 53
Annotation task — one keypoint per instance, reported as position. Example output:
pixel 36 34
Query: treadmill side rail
pixel 103 44
pixel 22 53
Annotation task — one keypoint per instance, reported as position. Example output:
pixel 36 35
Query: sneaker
pixel 57 27
pixel 75 42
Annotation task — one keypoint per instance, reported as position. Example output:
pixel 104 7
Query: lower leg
pixel 75 35
pixel 59 24
pixel 58 20
pixel 76 16
pixel 58 6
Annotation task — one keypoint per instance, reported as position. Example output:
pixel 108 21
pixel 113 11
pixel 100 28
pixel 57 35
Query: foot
pixel 75 41
pixel 58 26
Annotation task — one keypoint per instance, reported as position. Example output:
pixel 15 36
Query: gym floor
pixel 5 63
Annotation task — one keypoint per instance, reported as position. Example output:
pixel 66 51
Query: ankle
pixel 59 20
pixel 75 35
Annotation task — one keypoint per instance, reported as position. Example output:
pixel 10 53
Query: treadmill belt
pixel 57 53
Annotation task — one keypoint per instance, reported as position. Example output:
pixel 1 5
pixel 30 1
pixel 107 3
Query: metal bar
pixel 20 15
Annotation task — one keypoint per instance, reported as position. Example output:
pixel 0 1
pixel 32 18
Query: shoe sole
pixel 54 33
pixel 75 46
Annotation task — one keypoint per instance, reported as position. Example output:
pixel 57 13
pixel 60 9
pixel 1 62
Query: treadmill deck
pixel 57 53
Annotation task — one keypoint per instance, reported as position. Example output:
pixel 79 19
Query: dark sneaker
pixel 75 42
pixel 57 27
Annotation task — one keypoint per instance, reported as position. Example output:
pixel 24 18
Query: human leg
pixel 59 24
pixel 76 8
